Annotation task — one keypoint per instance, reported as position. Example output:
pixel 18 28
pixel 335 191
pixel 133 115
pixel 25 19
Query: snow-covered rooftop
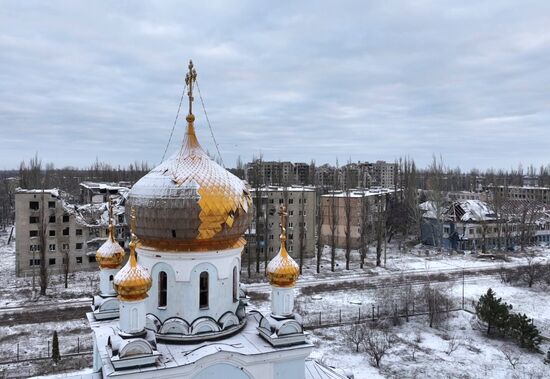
pixel 360 192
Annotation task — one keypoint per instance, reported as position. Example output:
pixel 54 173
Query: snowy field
pixel 475 357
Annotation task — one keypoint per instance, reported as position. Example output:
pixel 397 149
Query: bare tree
pixel 380 227
pixel 43 267
pixel 257 180
pixel 437 198
pixel 510 356
pixel 533 271
pixel 333 225
pixel 66 268
pixel 453 343
pixel 377 343
pixel 354 335
pixel 365 230
pixel 319 218
pixel 437 304
pixel 347 225
pixel 528 214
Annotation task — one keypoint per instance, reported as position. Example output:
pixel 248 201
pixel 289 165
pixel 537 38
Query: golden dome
pixel 282 270
pixel 110 254
pixel 189 202
pixel 133 281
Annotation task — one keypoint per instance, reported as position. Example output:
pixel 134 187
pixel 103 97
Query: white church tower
pixel 109 257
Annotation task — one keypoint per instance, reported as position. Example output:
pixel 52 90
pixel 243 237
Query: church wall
pixel 183 271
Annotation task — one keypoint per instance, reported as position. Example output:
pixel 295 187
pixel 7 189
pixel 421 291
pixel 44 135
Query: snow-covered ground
pixel 15 291
pixel 476 356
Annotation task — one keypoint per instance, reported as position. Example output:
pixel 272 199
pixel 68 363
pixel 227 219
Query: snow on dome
pixel 133 281
pixel 190 203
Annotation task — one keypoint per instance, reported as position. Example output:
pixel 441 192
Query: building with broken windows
pixel 70 233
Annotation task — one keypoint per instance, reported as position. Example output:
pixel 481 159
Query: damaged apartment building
pixel 69 232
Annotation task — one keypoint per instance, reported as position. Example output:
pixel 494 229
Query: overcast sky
pixel 299 80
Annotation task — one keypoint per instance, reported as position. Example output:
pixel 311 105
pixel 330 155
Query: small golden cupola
pixel 133 281
pixel 110 255
pixel 282 270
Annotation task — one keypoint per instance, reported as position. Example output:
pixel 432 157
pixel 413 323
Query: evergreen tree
pixel 55 348
pixel 493 311
pixel 522 329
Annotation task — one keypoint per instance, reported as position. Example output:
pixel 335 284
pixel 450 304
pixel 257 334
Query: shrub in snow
pixel 522 329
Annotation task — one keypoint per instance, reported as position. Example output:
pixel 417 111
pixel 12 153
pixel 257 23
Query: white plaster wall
pixel 105 283
pixel 132 316
pixel 282 301
pixel 183 270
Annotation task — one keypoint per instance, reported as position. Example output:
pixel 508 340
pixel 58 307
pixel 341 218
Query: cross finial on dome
pixel 190 79
pixel 133 239
pixel 111 223
pixel 283 217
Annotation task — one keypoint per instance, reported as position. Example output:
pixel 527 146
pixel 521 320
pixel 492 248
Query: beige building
pixel 541 194
pixel 337 205
pixel 70 233
pixel 301 208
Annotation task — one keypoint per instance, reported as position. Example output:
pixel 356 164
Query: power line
pixel 174 126
pixel 209 126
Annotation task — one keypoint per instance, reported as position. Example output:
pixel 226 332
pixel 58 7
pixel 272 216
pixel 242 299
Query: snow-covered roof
pixel 246 342
pixel 282 189
pixel 360 192
pixel 52 191
pixel 471 210
pixel 317 370
pixel 104 186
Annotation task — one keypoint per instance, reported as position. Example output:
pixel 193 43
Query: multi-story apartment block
pixel 326 176
pixel 69 233
pixel 301 208
pixel 383 174
pixel 541 194
pixel 363 208
pixel 301 173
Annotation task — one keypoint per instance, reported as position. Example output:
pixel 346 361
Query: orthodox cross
pixel 133 221
pixel 283 217
pixel 190 79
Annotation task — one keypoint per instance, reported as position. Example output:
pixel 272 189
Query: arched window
pixel 110 278
pixel 163 289
pixel 203 290
pixel 235 285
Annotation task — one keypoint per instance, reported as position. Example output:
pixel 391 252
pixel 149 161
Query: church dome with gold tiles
pixel 133 281
pixel 189 202
pixel 110 255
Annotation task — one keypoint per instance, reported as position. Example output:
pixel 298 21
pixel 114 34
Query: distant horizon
pixel 341 163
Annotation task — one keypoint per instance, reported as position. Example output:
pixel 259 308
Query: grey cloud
pixel 293 80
